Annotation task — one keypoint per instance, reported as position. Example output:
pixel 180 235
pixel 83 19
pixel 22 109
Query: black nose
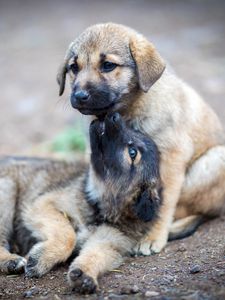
pixel 81 95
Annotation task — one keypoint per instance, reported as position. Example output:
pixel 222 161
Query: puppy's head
pixel 127 163
pixel 107 64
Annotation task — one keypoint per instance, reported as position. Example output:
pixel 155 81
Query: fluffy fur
pixel 117 59
pixel 48 209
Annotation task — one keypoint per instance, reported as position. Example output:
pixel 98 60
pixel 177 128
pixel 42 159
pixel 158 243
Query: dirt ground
pixel 33 38
pixel 168 275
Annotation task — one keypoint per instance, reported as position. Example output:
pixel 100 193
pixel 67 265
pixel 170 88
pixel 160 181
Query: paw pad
pixel 16 265
pixel 81 282
pixel 30 270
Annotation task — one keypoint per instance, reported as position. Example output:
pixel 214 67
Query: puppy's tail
pixel 185 227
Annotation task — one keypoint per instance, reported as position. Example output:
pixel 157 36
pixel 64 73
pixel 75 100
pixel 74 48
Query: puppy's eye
pixel 132 152
pixel 74 68
pixel 108 66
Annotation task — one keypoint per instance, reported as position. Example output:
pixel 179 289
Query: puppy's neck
pixel 109 205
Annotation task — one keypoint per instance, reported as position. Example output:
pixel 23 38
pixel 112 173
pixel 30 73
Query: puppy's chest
pixel 124 220
pixel 132 227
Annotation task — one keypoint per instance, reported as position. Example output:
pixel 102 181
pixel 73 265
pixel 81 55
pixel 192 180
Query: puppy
pixel 49 208
pixel 114 68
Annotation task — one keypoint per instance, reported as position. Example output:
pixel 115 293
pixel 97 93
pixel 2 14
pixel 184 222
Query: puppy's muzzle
pixel 79 98
pixel 114 125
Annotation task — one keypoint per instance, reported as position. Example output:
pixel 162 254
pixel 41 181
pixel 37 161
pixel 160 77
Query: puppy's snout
pixel 113 124
pixel 115 117
pixel 81 96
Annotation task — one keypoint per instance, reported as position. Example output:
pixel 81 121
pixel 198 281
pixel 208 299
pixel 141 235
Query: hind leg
pixel 56 235
pixel 9 263
pixel 203 191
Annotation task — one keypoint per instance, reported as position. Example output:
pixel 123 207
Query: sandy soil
pixel 34 36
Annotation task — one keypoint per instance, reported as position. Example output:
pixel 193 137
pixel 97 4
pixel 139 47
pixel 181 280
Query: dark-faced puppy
pixel 49 208
pixel 128 164
pixel 124 188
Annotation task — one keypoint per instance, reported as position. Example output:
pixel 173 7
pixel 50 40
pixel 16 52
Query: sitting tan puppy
pixel 48 208
pixel 114 68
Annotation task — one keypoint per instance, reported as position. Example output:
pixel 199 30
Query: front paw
pixel 149 247
pixel 15 265
pixel 39 261
pixel 81 282
pixel 31 269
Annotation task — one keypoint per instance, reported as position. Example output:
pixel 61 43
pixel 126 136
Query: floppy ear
pixel 61 77
pixel 150 65
pixel 147 204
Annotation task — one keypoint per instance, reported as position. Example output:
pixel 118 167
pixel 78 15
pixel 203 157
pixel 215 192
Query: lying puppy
pixel 113 68
pixel 49 208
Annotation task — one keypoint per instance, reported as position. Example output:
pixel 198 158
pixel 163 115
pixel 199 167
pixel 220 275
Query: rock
pixel 195 269
pixel 221 273
pixel 192 296
pixel 181 249
pixel 45 293
pixel 135 289
pixel 115 297
pixel 169 277
pixel 126 290
pixel 33 291
pixel 151 293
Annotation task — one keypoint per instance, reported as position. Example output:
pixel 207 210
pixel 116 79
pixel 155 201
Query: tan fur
pixel 150 65
pixel 102 252
pixel 52 206
pixel 185 129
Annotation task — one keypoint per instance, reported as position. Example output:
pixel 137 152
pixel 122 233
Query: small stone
pixel 125 290
pixel 31 292
pixel 192 296
pixel 45 293
pixel 169 277
pixel 135 289
pixel 221 273
pixel 181 249
pixel 195 269
pixel 151 293
pixel 118 276
pixel 115 297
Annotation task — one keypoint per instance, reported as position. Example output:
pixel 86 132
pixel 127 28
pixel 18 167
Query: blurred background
pixel 35 34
